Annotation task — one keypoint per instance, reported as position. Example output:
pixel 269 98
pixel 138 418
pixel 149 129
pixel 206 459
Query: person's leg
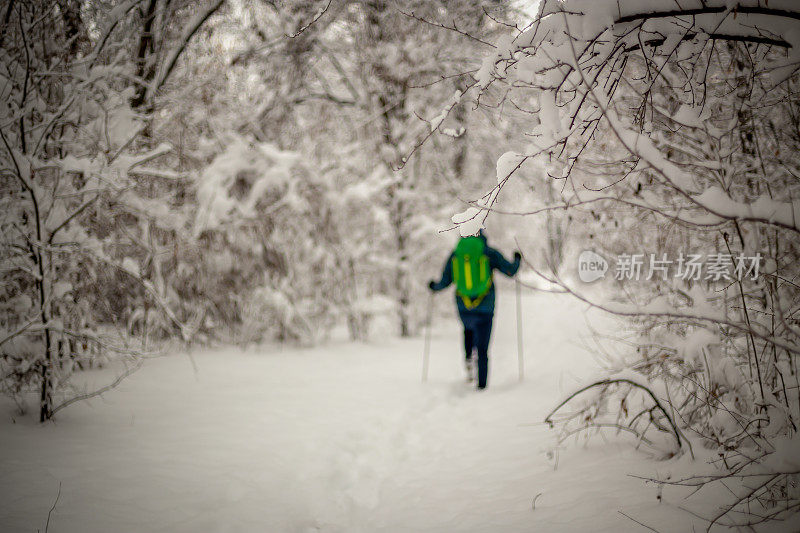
pixel 483 332
pixel 468 322
pixel 469 344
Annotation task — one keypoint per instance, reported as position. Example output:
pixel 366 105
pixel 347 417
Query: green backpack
pixel 472 273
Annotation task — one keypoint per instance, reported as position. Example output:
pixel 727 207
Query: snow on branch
pixel 734 9
pixel 115 16
pixel 129 162
pixel 713 200
pixel 434 125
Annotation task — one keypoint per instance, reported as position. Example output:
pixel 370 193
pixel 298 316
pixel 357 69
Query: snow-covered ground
pixel 343 437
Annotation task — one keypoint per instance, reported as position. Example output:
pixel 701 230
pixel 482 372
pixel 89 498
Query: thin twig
pixel 309 24
pixel 47 525
pixel 640 523
pixel 450 28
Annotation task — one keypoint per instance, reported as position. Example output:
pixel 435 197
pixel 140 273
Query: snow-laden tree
pixel 406 91
pixel 673 131
pixel 80 191
pixel 309 78
pixel 262 253
pixel 246 263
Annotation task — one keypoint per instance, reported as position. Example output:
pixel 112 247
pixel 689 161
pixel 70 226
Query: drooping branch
pixel 609 381
pixel 176 52
pixel 81 397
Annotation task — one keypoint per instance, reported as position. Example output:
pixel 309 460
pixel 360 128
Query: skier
pixel 470 267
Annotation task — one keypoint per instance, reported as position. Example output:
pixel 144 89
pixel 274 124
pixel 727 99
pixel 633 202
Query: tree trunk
pixel 145 67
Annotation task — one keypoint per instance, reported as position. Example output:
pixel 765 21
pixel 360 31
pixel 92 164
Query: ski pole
pixel 427 349
pixel 519 333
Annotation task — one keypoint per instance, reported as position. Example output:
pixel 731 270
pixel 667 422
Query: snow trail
pixel 342 437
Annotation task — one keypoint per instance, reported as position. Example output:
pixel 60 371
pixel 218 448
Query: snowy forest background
pixel 241 172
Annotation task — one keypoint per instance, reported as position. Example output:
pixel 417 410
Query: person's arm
pixel 447 277
pixel 496 260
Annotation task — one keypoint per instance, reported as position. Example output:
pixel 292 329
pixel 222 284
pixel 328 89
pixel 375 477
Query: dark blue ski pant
pixel 477 332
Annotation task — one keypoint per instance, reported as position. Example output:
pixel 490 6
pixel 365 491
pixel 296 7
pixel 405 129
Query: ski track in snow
pixel 339 438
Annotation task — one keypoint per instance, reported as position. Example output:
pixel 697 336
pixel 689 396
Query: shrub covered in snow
pixel 673 131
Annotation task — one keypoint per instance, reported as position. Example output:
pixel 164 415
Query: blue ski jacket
pixel 496 262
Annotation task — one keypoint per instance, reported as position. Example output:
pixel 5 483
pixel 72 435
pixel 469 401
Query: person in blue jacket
pixel 477 320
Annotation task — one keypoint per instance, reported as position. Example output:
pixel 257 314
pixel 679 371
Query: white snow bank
pixel 340 438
